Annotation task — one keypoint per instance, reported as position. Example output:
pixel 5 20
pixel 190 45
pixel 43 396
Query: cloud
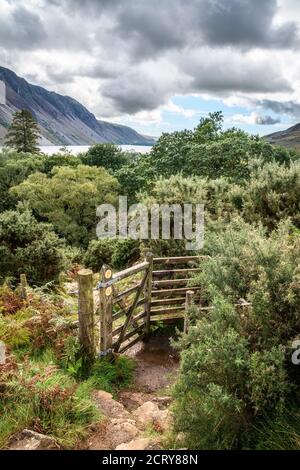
pixel 290 108
pixel 127 57
pixel 267 120
pixel 246 23
pixel 20 28
pixel 255 119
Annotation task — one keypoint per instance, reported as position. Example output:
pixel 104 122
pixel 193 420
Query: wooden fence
pixel 133 299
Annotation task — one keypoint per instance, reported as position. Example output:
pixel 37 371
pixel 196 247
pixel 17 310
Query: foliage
pixel 30 247
pixel 42 397
pixel 107 156
pixel 23 132
pixel 208 151
pixel 15 168
pixel 236 370
pixel 69 199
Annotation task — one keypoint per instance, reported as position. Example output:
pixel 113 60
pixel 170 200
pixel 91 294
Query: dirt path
pixel 139 417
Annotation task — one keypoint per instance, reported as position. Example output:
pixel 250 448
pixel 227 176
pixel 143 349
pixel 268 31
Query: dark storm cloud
pixel 24 30
pixel 134 92
pixel 289 108
pixel 201 41
pixel 266 120
pixel 247 23
pixel 160 24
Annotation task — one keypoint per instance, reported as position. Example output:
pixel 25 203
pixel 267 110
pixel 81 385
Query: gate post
pixel 86 311
pixel 106 297
pixel 147 294
pixel 23 286
pixel 188 304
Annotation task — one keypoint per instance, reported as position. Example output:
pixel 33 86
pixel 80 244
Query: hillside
pixel 289 138
pixel 62 119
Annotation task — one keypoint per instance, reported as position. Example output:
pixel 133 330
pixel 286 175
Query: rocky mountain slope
pixel 289 138
pixel 62 119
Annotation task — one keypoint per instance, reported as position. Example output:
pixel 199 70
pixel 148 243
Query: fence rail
pixel 159 292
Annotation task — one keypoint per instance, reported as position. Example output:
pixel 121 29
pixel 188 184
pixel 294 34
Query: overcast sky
pixel 159 65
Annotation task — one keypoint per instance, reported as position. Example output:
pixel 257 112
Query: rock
pixel 132 400
pixel 162 421
pixel 108 406
pixel 138 444
pixel 31 440
pixel 145 414
pixel 180 438
pixel 121 431
pixel 163 401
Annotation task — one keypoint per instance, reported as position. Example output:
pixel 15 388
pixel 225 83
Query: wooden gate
pixel 150 295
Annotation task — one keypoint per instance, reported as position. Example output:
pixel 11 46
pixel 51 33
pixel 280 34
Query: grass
pixel 279 433
pixel 45 385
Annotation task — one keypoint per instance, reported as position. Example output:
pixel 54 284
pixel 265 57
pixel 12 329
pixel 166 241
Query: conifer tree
pixel 23 133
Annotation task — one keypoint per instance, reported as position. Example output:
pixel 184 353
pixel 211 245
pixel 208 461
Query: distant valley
pixel 62 120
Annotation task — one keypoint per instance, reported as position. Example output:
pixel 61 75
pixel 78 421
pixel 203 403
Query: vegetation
pixel 237 387
pixel 23 132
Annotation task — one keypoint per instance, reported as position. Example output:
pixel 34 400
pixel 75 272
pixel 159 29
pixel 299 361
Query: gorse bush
pixel 30 247
pixel 236 362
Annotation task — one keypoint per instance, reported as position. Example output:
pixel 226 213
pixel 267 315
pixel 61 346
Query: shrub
pixel 69 199
pixel 30 247
pixel 236 370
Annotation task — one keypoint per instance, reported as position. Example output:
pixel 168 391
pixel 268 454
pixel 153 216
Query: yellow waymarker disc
pixel 108 274
pixel 108 291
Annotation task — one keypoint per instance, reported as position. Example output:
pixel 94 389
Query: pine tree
pixel 23 133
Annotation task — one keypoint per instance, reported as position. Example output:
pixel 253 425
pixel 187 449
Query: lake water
pixel 76 149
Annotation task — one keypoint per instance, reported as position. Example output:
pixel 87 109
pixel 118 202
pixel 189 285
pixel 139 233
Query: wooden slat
pixel 170 282
pixel 125 293
pixel 118 315
pixel 178 259
pixel 129 345
pixel 140 316
pixel 118 330
pixel 130 271
pixel 175 300
pixel 172 292
pixel 168 318
pixel 132 333
pixel 163 311
pixel 130 311
pixel 141 302
pixel 170 272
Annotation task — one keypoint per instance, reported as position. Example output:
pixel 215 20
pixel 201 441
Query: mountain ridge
pixel 289 138
pixel 62 119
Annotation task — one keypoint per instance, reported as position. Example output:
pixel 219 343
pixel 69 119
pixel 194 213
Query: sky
pixel 161 65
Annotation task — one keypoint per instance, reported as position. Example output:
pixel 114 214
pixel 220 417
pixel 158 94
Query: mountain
pixel 289 138
pixel 62 119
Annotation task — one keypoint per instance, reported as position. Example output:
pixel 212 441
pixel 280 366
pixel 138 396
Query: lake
pixel 75 149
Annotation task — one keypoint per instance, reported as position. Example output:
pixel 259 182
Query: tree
pixel 23 132
pixel 109 156
pixel 69 199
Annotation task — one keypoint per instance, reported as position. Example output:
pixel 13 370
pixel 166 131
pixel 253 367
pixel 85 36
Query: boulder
pixel 145 414
pixel 121 431
pixel 162 421
pixel 108 406
pixel 31 440
pixel 138 444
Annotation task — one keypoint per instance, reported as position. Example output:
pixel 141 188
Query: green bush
pixel 69 199
pixel 236 367
pixel 30 247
